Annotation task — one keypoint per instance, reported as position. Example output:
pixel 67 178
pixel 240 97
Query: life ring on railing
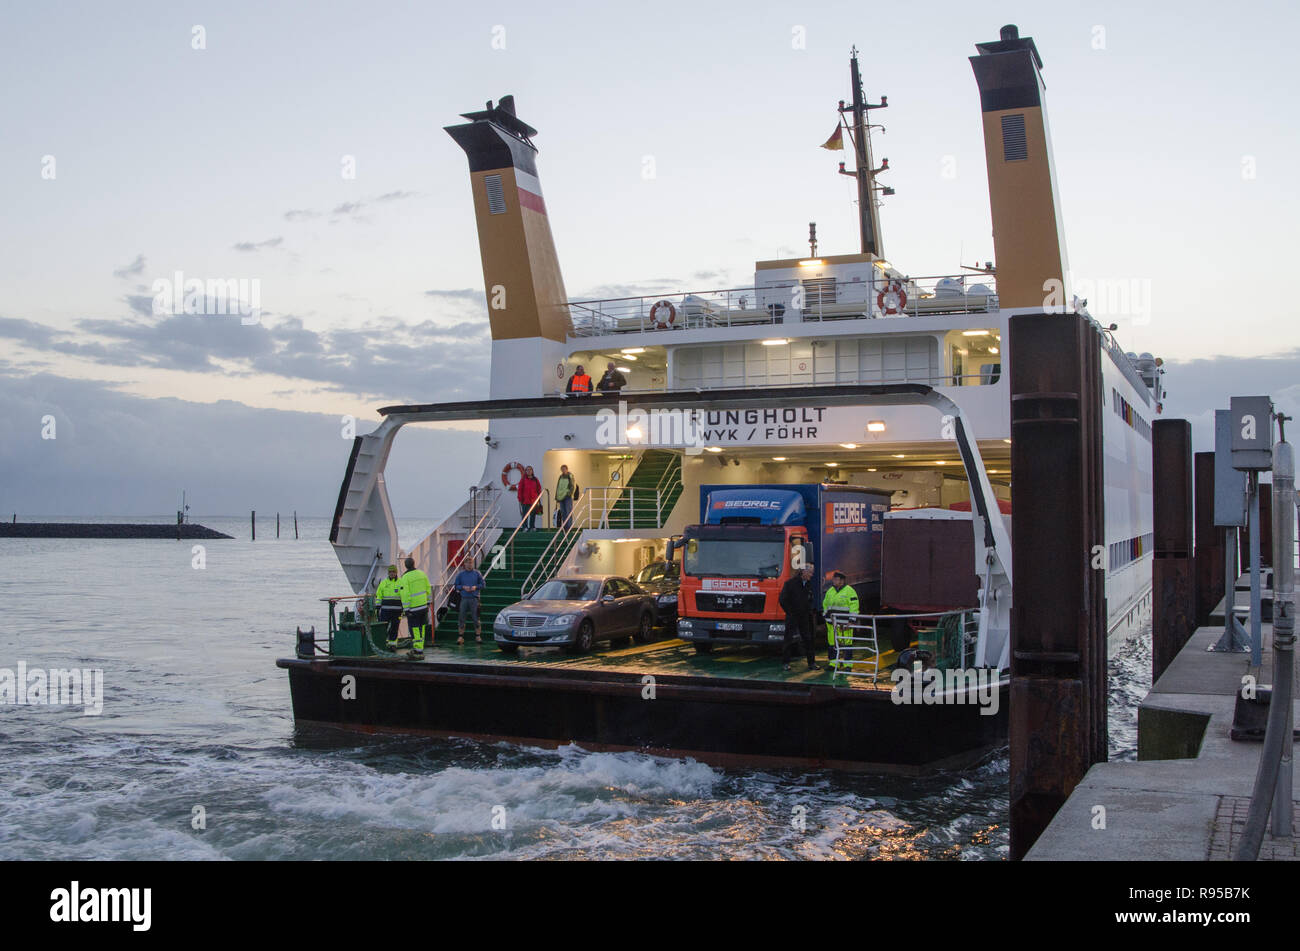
pixel 505 475
pixel 672 314
pixel 892 299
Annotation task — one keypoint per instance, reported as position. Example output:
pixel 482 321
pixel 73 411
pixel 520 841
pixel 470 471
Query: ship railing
pixel 990 374
pixel 858 639
pixel 505 552
pixel 641 503
pixel 784 302
pixel 475 543
pixel 669 482
pixel 562 541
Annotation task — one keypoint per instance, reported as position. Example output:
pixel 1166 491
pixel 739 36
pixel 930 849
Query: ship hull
pixel 718 720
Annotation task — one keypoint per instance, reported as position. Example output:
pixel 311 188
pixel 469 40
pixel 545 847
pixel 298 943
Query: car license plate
pixel 730 626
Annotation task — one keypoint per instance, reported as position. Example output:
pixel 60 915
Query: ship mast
pixel 868 212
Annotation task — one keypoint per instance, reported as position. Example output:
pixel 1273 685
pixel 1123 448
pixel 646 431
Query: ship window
pixel 496 196
pixel 1014 146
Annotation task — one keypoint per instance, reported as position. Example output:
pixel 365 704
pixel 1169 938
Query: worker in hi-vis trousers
pixel 416 591
pixel 388 602
pixel 840 599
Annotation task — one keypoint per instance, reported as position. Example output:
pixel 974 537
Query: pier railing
pixel 784 302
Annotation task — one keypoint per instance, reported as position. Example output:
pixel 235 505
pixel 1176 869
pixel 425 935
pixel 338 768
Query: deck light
pixel 940 462
pixel 974 333
pixel 778 458
pixel 629 356
pixel 899 455
pixel 633 350
pixel 993 349
pixel 849 445
pixel 713 448
pixel 832 465
pixel 876 426
pixel 623 369
pixel 775 342
pixel 1007 441
pixel 871 470
pixel 811 262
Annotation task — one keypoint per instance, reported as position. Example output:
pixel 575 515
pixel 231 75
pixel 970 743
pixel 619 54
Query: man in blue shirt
pixel 469 585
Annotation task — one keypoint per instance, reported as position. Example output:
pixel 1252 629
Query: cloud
pixel 134 269
pixel 388 360
pixel 349 210
pixel 115 453
pixel 251 246
pixel 471 294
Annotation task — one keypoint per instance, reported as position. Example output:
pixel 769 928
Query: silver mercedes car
pixel 574 612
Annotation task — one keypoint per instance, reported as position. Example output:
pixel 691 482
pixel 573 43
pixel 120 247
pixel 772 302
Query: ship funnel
pixel 521 272
pixel 1027 229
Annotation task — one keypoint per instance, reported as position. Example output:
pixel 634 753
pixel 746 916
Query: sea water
pixel 195 754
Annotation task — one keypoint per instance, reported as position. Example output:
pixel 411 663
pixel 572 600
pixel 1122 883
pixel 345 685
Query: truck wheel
pixel 645 630
pixel 703 648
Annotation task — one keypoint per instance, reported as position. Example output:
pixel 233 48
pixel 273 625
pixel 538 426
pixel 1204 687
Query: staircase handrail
pixel 531 510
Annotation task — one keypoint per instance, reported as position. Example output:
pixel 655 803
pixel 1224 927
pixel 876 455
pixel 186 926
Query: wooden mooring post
pixel 1173 583
pixel 277 525
pixel 1209 547
pixel 295 525
pixel 1058 619
pixel 252 519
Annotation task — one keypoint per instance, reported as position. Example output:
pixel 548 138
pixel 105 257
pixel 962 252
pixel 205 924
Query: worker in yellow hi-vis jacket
pixel 840 600
pixel 416 592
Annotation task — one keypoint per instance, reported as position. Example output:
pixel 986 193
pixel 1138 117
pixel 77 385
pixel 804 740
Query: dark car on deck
pixel 574 612
pixel 662 579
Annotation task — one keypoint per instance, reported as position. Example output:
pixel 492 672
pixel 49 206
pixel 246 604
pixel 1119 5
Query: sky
pixel 300 146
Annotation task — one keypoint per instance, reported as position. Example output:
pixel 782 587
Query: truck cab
pixel 752 539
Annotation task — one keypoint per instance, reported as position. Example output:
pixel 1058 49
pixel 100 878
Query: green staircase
pixel 658 469
pixel 503 583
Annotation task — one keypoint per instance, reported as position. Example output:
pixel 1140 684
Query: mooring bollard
pixel 1209 547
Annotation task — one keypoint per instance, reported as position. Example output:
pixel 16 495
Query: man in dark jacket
pixel 797 602
pixel 612 381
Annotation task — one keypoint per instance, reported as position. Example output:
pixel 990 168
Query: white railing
pixel 506 550
pixel 553 555
pixel 859 649
pixel 776 304
pixel 480 535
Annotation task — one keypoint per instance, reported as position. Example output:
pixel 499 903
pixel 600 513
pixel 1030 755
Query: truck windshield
pixel 727 558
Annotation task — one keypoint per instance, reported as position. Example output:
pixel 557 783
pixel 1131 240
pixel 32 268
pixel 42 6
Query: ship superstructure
pixel 840 368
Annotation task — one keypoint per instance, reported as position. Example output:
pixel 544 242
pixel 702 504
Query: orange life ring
pixel 505 475
pixel 895 290
pixel 672 314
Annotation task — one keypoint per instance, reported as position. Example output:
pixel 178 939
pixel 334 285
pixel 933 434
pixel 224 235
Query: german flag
pixel 836 142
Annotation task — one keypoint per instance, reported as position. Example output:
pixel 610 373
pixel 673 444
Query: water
pixel 197 722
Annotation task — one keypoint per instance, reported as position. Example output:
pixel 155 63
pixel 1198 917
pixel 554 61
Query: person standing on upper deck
pixel 612 381
pixel 579 383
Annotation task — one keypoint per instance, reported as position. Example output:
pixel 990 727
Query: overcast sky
pixel 678 145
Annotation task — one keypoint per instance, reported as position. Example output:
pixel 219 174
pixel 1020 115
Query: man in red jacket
pixel 530 490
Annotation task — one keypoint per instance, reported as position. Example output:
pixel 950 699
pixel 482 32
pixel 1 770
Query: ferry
pixel 828 370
